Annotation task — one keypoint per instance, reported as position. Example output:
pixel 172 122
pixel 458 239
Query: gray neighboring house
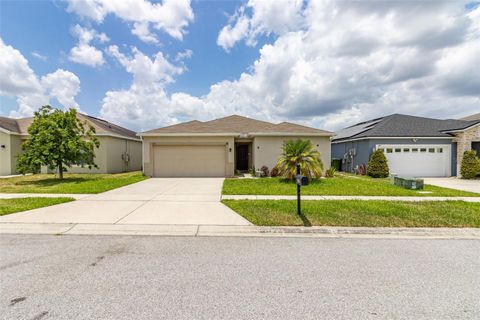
pixel 120 149
pixel 222 147
pixel 414 146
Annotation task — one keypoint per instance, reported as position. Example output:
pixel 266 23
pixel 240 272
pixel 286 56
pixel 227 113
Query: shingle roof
pixel 102 127
pixel 475 116
pixel 236 124
pixel 399 125
pixel 9 124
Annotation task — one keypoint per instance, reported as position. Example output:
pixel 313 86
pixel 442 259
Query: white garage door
pixel 418 160
pixel 189 161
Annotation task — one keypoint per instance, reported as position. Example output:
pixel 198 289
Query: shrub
pixel 377 166
pixel 265 171
pixel 362 170
pixel 470 167
pixel 330 173
pixel 299 152
pixel 274 172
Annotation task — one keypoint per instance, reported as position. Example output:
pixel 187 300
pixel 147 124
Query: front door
pixel 242 157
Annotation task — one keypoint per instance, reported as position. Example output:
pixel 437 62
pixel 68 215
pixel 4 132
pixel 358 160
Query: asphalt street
pixel 134 277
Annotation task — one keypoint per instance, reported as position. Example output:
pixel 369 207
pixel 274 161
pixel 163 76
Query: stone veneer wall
pixel 464 143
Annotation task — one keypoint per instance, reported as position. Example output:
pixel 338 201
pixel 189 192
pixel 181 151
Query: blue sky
pixel 321 63
pixel 45 28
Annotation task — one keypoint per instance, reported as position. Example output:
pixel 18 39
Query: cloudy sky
pixel 145 64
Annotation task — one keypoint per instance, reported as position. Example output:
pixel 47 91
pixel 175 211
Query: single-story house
pixel 222 147
pixel 120 149
pixel 414 146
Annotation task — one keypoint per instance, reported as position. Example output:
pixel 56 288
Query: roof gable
pixel 234 125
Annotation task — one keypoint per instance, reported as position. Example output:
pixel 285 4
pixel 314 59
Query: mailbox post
pixel 301 181
pixel 299 209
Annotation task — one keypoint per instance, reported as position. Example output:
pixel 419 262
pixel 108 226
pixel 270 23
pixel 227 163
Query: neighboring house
pixel 223 146
pixel 120 149
pixel 414 146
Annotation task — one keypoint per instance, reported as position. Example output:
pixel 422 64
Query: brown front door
pixel 242 157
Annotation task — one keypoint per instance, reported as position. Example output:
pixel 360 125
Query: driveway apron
pixel 165 201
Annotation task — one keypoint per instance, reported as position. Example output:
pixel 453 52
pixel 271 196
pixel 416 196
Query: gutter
pixel 236 134
pixel 367 138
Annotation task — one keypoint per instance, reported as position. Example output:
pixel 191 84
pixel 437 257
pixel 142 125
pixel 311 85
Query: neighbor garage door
pixel 418 160
pixel 189 161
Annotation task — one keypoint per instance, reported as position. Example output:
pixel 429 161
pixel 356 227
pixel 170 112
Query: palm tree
pixel 302 152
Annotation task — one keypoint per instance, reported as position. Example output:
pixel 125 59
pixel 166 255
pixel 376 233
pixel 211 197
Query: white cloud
pixel 19 81
pixel 267 17
pixel 62 85
pixel 184 55
pixel 17 77
pixel 146 101
pixel 170 16
pixel 83 52
pixel 332 64
pixel 39 56
pixel 142 31
pixel 231 34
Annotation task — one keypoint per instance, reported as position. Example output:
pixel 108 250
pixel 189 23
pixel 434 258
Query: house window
pixel 406 149
pixel 440 150
pixel 389 150
pixel 431 150
pixel 423 149
pixel 414 149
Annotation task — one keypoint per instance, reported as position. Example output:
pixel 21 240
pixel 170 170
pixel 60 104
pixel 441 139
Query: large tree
pixel 57 139
pixel 302 152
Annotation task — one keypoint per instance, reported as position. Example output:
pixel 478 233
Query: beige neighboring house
pixel 120 149
pixel 222 147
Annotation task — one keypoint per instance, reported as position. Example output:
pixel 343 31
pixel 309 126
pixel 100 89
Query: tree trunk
pixel 60 170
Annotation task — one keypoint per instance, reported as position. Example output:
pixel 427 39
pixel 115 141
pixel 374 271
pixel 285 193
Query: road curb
pixel 239 231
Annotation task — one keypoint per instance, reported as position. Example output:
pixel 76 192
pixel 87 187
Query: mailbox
pixel 301 180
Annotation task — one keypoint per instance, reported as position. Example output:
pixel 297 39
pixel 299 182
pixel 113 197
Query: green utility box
pixel 408 183
pixel 337 164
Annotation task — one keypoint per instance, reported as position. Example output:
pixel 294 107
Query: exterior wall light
pixel 3 146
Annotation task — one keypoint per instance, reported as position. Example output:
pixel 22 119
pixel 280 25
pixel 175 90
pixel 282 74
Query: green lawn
pixel 72 183
pixel 356 213
pixel 344 185
pixel 15 205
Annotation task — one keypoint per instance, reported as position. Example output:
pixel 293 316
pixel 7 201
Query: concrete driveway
pixel 455 183
pixel 165 201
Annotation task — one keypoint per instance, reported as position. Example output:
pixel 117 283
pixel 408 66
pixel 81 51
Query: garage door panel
pixel 418 160
pixel 189 161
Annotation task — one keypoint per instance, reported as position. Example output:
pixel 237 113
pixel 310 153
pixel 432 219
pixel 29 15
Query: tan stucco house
pixel 120 149
pixel 222 147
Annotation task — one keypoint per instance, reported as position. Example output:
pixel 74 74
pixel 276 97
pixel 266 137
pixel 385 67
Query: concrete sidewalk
pixel 236 231
pixel 75 196
pixel 320 198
